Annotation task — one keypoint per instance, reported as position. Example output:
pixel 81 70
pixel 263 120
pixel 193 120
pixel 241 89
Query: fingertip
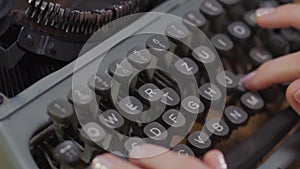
pixel 293 95
pixel 215 159
pixel 248 79
pixel 262 15
pixel 146 151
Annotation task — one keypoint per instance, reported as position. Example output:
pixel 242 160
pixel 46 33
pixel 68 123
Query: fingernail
pixel 297 96
pixel 248 77
pixel 138 152
pixel 263 11
pixel 100 162
pixel 221 162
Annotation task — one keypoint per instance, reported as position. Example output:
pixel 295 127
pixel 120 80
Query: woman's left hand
pixel 155 157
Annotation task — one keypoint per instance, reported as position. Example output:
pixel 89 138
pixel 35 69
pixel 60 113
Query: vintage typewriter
pixel 70 88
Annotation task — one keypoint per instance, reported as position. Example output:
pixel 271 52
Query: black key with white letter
pixel 199 142
pixel 218 129
pixel 235 116
pixel 252 102
pixel 67 153
pixel 157 134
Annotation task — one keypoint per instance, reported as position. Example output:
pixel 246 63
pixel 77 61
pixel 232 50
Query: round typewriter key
pixel 160 47
pixel 175 122
pixel 156 134
pixel 194 19
pixel 139 57
pixel 101 83
pixel 235 116
pixel 239 31
pixel 92 133
pixel 199 142
pixel 82 98
pixel 278 45
pixel 228 80
pixel 250 20
pixel 120 69
pixel 177 31
pixel 218 128
pixel 204 55
pixel 150 93
pixel 293 37
pixel 192 106
pixel 210 92
pixel 259 55
pixel 112 119
pixel 133 142
pixel 173 118
pixel 131 108
pixel 223 44
pixel 158 44
pixel 183 150
pixel 211 9
pixel 170 97
pixel 67 153
pixel 252 102
pixel 186 67
pixel 61 111
pixel 214 11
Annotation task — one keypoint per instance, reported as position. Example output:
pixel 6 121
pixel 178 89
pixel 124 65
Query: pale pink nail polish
pixel 263 12
pixel 101 163
pixel 221 162
pixel 248 77
pixel 297 96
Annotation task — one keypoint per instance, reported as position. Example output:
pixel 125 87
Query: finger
pixel 215 159
pixel 154 157
pixel 293 95
pixel 109 161
pixel 280 17
pixel 280 70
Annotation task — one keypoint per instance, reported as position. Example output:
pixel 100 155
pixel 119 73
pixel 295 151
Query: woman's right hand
pixel 282 69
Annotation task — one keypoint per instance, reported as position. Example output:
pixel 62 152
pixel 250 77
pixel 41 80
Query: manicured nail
pixel 248 77
pixel 263 12
pixel 138 152
pixel 101 163
pixel 221 162
pixel 297 96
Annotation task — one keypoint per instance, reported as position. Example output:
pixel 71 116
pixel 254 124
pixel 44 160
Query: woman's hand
pixel 283 69
pixel 154 157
